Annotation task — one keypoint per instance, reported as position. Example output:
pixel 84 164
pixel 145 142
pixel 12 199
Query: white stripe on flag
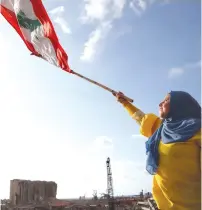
pixel 8 4
pixel 41 43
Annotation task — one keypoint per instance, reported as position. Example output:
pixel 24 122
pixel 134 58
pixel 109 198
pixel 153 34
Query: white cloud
pixel 90 45
pixel 118 8
pixel 99 11
pixel 175 72
pixel 57 14
pixel 95 10
pixel 102 10
pixel 57 10
pixel 63 24
pixel 193 65
pixel 138 6
pixel 95 37
pixel 179 71
pixel 102 13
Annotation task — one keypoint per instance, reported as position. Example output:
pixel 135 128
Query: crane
pixel 110 190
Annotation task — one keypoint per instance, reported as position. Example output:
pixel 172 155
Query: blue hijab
pixel 181 124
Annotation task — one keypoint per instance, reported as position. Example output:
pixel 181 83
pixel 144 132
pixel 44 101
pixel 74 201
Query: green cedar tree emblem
pixel 27 23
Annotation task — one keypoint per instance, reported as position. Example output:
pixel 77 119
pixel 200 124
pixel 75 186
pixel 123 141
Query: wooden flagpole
pixel 100 85
pixel 96 83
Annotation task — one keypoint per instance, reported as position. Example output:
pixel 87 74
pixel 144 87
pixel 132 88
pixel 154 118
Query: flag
pixel 31 21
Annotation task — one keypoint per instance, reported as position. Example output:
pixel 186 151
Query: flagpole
pixel 95 83
pixel 100 85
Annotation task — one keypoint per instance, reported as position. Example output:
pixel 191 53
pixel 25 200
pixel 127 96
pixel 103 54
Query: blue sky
pixel 55 126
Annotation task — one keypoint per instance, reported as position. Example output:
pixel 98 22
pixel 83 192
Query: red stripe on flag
pixel 50 33
pixel 11 18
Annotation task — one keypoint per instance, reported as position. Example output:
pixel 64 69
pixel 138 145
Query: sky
pixel 55 126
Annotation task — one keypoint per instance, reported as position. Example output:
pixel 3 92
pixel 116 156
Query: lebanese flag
pixel 31 21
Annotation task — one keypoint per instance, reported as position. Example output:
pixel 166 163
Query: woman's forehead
pixel 167 97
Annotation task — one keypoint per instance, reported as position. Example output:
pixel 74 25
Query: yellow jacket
pixel 177 184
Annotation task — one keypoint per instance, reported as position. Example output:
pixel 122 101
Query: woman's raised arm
pixel 148 122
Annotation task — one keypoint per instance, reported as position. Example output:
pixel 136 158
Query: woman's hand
pixel 120 97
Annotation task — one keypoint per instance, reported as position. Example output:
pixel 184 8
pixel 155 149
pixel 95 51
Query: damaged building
pixel 33 195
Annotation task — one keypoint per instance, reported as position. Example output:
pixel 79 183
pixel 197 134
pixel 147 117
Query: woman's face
pixel 164 107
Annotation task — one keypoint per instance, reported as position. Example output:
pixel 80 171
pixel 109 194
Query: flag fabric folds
pixel 31 21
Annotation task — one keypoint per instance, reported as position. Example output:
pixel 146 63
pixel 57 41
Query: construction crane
pixel 110 190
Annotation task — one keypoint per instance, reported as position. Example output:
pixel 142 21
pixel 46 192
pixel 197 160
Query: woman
pixel 173 150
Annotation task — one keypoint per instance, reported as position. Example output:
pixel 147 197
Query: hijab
pixel 181 124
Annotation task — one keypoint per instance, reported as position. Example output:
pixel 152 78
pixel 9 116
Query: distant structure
pixel 110 189
pixel 26 191
pixel 33 195
pixel 41 195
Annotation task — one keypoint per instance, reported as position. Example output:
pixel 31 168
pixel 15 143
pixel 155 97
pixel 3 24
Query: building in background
pixel 41 195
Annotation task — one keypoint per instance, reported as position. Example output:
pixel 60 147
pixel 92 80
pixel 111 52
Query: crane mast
pixel 110 190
